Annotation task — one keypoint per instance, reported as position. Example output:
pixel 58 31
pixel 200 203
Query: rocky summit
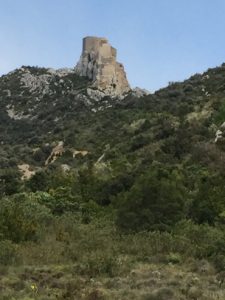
pixel 98 63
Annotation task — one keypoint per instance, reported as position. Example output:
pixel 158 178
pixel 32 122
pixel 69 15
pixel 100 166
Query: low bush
pixel 22 217
pixel 8 253
pixel 206 241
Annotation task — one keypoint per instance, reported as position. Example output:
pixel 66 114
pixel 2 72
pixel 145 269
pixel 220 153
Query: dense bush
pixel 8 253
pixel 22 217
pixel 207 241
pixel 62 200
pixel 38 182
pixel 156 201
pixel 9 182
pixel 209 201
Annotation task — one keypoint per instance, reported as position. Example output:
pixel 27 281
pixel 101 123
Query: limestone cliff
pixel 98 63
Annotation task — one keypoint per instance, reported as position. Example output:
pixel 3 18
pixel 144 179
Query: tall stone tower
pixel 98 63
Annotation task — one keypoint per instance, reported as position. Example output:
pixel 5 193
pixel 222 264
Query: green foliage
pixel 38 182
pixel 209 202
pixel 220 114
pixel 91 211
pixel 208 241
pixel 156 201
pixel 174 258
pixel 9 182
pixel 62 200
pixel 21 217
pixel 8 253
pixel 152 165
pixel 99 264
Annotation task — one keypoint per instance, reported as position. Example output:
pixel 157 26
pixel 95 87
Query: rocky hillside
pixel 39 107
pixel 42 109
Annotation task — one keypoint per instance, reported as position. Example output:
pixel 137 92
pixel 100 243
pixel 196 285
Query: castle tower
pixel 98 63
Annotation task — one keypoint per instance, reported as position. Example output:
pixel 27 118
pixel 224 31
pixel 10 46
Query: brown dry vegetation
pixel 94 261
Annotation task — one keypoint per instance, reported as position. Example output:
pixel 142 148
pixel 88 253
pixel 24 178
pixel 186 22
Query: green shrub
pixel 61 200
pixel 38 182
pixel 21 217
pixel 8 253
pixel 220 115
pixel 208 204
pixel 99 263
pixel 219 262
pixel 207 241
pixel 174 258
pixel 155 202
pixel 9 182
pixel 90 211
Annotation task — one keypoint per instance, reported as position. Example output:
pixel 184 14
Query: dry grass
pixel 142 281
pixel 93 262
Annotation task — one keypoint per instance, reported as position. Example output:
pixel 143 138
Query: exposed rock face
pixel 138 92
pixel 98 63
pixel 36 83
pixel 56 152
pixel 41 83
pixel 220 134
pixel 25 171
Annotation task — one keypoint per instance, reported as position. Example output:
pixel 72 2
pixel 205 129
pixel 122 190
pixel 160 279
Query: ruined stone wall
pixel 98 63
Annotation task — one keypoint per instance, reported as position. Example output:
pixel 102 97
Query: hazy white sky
pixel 157 40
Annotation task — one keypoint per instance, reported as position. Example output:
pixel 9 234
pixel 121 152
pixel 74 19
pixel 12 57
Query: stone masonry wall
pixel 98 63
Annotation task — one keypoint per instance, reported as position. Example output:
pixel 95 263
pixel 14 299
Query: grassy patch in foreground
pixel 147 281
pixel 94 261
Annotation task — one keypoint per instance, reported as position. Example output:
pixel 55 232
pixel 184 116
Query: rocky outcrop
pixel 98 63
pixel 57 151
pixel 220 134
pixel 26 172
pixel 138 92
pixel 35 83
pixel 41 83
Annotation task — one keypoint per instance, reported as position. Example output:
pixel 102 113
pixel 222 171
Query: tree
pixel 155 202
pixel 9 182
pixel 21 217
pixel 209 201
pixel 38 182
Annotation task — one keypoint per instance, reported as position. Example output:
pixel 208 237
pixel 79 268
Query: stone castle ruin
pixel 98 63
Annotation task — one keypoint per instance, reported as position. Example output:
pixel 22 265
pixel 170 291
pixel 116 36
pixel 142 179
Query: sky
pixel 158 41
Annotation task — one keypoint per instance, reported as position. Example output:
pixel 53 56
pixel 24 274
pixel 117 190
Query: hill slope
pixel 40 107
pixel 108 198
